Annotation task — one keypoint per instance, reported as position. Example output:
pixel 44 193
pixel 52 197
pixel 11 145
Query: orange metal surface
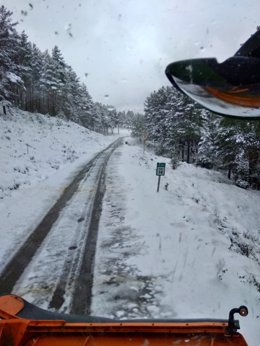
pixel 233 97
pixel 11 304
pixel 136 340
pixel 20 332
pixel 15 331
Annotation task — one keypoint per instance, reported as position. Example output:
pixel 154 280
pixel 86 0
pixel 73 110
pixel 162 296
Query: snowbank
pixel 191 251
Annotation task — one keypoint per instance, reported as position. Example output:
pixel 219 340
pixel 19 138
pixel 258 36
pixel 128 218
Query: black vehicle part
pixel 233 325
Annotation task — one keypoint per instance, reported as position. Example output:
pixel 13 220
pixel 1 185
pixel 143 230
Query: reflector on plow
pixel 18 330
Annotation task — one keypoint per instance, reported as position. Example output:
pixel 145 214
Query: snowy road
pixel 48 266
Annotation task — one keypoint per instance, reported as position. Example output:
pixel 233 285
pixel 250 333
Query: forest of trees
pixel 43 82
pixel 180 129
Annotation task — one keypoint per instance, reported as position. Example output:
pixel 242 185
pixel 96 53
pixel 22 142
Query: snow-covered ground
pixel 39 156
pixel 191 251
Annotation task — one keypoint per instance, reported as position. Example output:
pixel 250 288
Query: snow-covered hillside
pixel 39 156
pixel 35 146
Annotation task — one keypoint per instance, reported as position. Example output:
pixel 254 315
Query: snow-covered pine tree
pixel 238 149
pixel 207 147
pixel 173 122
pixel 85 107
pixel 104 117
pixel 10 81
pixel 126 118
pixel 138 126
pixel 36 92
pixel 48 85
pixel 156 113
pixel 99 118
pixel 112 118
pixel 58 79
pixel 69 93
pixel 23 61
pixel 52 81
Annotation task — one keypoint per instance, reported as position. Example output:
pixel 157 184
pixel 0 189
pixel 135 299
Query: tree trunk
pixel 252 164
pixel 188 151
pixel 229 171
pixel 182 153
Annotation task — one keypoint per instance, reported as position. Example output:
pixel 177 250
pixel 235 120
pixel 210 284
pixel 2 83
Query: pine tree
pixel 9 76
pixel 173 122
pixel 24 67
pixel 43 82
pixel 49 84
pixel 207 147
pixel 85 107
pixel 138 126
pixel 36 93
pixel 238 148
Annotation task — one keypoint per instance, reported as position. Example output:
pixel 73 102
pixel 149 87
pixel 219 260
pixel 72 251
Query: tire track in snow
pixel 75 283
pixel 22 258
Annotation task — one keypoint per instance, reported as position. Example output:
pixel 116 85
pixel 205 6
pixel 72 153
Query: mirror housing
pixel 230 88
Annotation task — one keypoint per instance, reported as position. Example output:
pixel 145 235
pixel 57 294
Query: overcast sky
pixel 120 48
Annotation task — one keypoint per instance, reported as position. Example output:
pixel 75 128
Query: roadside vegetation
pixel 181 130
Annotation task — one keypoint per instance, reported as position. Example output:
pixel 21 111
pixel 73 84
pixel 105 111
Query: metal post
pixel 158 186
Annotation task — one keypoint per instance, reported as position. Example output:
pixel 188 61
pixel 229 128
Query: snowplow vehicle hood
pixel 22 323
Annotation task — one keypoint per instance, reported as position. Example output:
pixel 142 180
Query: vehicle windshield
pixel 120 196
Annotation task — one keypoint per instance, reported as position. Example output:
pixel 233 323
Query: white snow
pixel 13 77
pixel 192 251
pixel 39 156
pixel 171 252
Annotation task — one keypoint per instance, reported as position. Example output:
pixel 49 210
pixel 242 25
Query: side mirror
pixel 231 88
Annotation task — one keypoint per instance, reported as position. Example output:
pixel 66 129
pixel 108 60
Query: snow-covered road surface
pixel 189 252
pixel 52 278
pixel 40 158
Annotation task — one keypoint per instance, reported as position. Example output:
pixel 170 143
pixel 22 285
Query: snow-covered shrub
pixel 242 183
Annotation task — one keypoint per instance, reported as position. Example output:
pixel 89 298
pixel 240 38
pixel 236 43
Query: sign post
pixel 160 170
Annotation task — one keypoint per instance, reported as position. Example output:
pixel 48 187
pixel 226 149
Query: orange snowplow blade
pixel 17 331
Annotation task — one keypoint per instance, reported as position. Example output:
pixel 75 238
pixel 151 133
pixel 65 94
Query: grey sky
pixel 120 48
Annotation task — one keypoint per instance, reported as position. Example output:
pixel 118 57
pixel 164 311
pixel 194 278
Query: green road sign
pixel 160 170
pixel 161 164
